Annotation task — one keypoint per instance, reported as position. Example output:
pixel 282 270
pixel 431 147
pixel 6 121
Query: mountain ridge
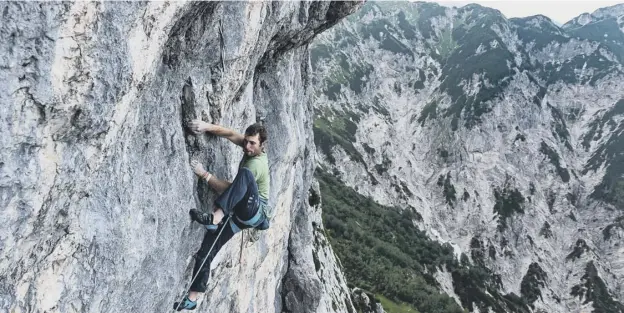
pixel 507 127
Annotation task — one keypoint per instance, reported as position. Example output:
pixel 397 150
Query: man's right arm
pixel 199 126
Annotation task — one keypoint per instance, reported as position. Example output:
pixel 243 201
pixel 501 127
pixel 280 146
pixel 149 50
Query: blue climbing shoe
pixel 186 304
pixel 212 228
pixel 204 219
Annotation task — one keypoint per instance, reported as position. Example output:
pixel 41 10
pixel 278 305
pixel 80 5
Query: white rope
pixel 204 261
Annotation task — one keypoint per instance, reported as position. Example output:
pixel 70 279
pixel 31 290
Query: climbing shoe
pixel 186 304
pixel 203 218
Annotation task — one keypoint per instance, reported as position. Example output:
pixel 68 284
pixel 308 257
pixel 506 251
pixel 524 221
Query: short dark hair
pixel 257 129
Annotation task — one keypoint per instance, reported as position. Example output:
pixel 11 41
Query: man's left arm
pixel 217 184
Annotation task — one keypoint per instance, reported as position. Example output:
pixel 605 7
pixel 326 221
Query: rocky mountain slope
pixel 503 137
pixel 95 182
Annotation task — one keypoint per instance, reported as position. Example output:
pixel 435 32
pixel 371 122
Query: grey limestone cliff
pixel 503 134
pixel 95 182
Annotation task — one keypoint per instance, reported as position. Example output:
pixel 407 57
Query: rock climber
pixel 245 199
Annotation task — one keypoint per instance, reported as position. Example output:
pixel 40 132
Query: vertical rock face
pixel 503 134
pixel 313 266
pixel 95 184
pixel 366 302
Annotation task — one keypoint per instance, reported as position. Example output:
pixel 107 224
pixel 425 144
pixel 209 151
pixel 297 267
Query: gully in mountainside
pixel 242 203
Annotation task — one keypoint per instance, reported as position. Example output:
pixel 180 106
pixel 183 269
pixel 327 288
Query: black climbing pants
pixel 240 198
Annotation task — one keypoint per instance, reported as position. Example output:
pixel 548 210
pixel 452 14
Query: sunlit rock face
pixel 95 182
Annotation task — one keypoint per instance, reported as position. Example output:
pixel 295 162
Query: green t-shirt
pixel 259 167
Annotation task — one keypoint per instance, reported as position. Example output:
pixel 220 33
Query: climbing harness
pixel 260 220
pixel 204 261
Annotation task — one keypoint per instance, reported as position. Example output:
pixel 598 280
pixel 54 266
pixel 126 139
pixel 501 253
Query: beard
pixel 252 153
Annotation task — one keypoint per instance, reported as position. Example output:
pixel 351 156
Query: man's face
pixel 252 146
